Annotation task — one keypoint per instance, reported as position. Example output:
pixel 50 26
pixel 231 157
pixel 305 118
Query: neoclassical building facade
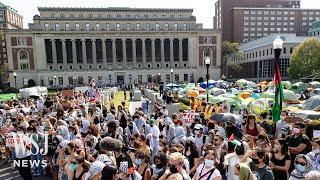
pixel 72 46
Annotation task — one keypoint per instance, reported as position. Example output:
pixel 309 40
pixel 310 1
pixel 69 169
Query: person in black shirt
pixel 298 143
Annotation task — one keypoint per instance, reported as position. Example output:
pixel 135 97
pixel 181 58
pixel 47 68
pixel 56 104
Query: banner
pixel 189 117
pixel 67 93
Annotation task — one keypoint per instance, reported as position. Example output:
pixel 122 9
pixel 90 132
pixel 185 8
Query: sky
pixel 202 9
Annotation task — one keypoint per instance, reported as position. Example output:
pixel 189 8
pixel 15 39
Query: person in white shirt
pixel 164 111
pixel 207 170
pixel 200 139
pixel 154 137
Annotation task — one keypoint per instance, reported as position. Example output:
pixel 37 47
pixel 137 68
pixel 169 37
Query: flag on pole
pixel 278 96
pixel 234 141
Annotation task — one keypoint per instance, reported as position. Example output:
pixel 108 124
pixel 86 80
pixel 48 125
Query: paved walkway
pixel 7 173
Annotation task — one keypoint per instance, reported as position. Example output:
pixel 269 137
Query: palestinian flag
pixel 234 141
pixel 278 95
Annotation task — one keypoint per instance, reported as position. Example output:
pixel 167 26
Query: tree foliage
pixel 229 47
pixel 305 59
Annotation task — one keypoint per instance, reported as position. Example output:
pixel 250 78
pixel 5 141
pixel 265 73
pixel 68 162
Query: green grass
pixel 7 96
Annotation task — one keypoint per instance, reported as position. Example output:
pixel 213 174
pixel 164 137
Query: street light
pixel 74 81
pixel 15 82
pixel 55 81
pixel 42 81
pixel 277 47
pixel 171 79
pixel 159 77
pixel 207 62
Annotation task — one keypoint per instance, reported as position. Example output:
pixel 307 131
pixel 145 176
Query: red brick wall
pixel 13 41
pixel 29 41
pixel 15 58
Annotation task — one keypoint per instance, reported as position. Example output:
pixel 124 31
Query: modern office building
pixel 9 19
pixel 112 45
pixel 226 12
pixel 256 59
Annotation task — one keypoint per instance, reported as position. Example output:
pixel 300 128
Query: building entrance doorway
pixel 120 79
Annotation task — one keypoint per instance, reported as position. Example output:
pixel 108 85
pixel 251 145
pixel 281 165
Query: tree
pixel 31 83
pixel 200 80
pixel 228 48
pixel 305 59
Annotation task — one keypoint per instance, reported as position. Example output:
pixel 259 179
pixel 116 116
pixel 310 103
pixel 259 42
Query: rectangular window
pixel 245 18
pixel 138 26
pixel 46 26
pixel 272 18
pixel 284 50
pixel 175 26
pixel 245 23
pixel 148 26
pixel 108 27
pixel 128 27
pixel 97 27
pixel 252 23
pixel 77 26
pixel 184 26
pixel 157 27
pixel 246 12
pixel 67 26
pixel 166 26
pixel 56 27
pixel 118 27
pixel 87 26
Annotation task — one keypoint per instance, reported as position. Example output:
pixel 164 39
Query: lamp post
pixel 207 62
pixel 55 81
pixel 171 71
pixel 159 77
pixel 42 81
pixel 15 82
pixel 74 81
pixel 277 106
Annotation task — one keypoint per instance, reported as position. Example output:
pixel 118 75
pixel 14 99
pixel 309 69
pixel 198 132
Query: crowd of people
pixel 87 141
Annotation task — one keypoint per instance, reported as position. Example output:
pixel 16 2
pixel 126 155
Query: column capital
pixel 180 39
pixel 171 39
pixel 63 40
pixel 123 39
pixel 162 39
pixel 153 39
pixel 143 39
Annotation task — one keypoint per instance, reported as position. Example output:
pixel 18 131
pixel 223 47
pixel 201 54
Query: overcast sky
pixel 203 9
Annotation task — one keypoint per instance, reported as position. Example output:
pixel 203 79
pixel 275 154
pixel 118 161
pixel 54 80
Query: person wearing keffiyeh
pixel 302 166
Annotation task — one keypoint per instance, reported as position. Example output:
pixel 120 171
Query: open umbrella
pixel 261 105
pixel 298 87
pixel 172 85
pixel 204 96
pixel 315 84
pixel 244 95
pixel 226 117
pixel 217 91
pixel 193 93
pixel 201 90
pixel 290 95
pixel 312 103
pixel 247 101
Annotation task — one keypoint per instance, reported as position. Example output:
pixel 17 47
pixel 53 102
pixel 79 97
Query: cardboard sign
pixel 11 140
pixel 189 117
pixel 67 93
pixel 316 133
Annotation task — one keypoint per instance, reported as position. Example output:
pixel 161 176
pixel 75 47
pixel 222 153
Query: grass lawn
pixel 7 96
pixel 119 97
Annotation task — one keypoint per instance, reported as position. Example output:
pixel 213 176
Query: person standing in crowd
pixel 252 129
pixel 207 170
pixel 298 143
pixel 243 171
pixel 258 165
pixel 302 165
pixel 176 170
pixel 280 160
pixel 143 166
pixel 314 154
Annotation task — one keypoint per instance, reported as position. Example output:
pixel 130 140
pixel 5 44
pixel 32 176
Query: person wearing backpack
pixel 207 170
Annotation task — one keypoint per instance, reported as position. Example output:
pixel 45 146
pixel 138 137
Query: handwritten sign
pixel 11 140
pixel 189 117
pixel 67 93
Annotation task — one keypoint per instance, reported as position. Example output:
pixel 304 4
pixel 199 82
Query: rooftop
pixel 126 9
pixel 287 38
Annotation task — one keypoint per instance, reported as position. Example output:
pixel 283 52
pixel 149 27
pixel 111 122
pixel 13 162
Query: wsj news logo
pixel 22 144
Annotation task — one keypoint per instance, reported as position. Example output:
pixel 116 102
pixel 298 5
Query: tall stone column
pixel 144 52
pixel 171 52
pixel 114 54
pixel 54 54
pixel 180 52
pixel 84 52
pixel 134 53
pixel 74 52
pixel 104 53
pixel 124 53
pixel 153 51
pixel 94 53
pixel 64 54
pixel 162 53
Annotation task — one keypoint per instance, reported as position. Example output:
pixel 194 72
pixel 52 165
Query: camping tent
pixel 33 91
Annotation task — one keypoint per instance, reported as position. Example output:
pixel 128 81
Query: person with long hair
pixel 263 142
pixel 280 160
pixel 302 166
pixel 252 128
pixel 143 164
pixel 207 170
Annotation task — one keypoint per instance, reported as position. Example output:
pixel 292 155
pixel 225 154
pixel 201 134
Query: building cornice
pixel 115 9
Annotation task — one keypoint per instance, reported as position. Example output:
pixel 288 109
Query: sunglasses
pixel 216 139
pixel 301 163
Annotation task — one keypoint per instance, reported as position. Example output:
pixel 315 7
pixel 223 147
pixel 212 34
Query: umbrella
pixel 267 95
pixel 220 98
pixel 172 85
pixel 204 96
pixel 193 93
pixel 201 90
pixel 244 95
pixel 235 91
pixel 298 87
pixel 261 105
pixel 312 103
pixel 286 84
pixel 289 95
pixel 217 91
pixel 247 101
pixel 226 117
pixel 315 84
pixel 210 84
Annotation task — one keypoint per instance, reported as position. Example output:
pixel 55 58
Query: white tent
pixel 33 91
